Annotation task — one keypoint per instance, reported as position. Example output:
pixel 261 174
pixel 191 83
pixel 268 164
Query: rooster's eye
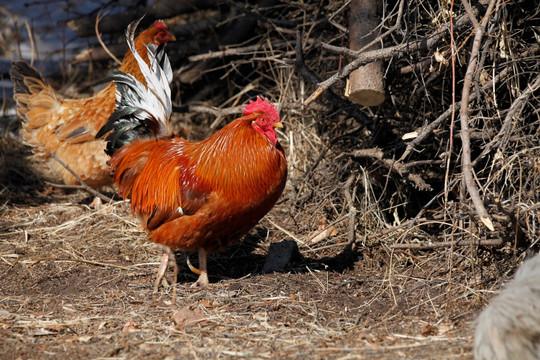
pixel 261 119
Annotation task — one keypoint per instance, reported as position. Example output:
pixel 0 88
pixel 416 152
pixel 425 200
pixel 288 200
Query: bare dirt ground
pixel 78 283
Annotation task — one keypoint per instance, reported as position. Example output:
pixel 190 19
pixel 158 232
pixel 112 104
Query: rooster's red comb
pixel 264 106
pixel 159 24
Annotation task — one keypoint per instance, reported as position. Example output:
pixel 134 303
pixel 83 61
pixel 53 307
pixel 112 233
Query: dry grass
pixel 78 283
pixel 387 270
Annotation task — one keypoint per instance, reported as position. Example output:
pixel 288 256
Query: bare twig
pixel 425 208
pixel 379 234
pixel 325 150
pixel 397 166
pixel 32 45
pixel 453 106
pixel 424 131
pixel 464 121
pixel 508 120
pixel 352 210
pixel 98 35
pixel 470 12
pixel 245 50
pixel 81 181
pixel 446 244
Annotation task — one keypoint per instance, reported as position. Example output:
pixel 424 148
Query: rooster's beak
pixel 278 124
pixel 172 38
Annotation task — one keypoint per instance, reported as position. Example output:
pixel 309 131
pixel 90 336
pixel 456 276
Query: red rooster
pixel 67 127
pixel 189 196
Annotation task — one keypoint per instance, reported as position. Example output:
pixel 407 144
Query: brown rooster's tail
pixel 19 71
pixel 36 101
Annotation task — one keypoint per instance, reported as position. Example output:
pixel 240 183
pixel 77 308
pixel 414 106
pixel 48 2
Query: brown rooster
pixel 67 127
pixel 191 196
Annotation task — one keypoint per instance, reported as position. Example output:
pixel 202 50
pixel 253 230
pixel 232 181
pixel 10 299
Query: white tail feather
pixel 155 97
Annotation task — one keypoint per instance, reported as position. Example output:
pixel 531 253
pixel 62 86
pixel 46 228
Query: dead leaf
pixel 187 316
pixel 207 304
pixel 131 326
pixel 55 327
pixel 445 328
pixel 4 314
pixel 321 235
pixel 428 330
pixel 85 339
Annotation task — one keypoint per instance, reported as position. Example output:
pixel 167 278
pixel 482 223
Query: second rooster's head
pixel 160 34
pixel 265 118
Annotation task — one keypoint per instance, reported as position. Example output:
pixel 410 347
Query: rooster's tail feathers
pixel 21 71
pixel 36 101
pixel 140 110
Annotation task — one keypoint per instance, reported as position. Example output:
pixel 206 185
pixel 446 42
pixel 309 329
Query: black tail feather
pixel 124 134
pixel 123 126
pixel 19 71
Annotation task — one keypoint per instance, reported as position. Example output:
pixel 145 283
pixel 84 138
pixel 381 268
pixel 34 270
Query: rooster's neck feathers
pixel 156 34
pixel 235 144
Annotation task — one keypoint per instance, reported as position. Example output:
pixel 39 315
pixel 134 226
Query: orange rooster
pixel 189 196
pixel 67 127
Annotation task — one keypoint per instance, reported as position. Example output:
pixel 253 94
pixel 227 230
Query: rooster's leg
pixel 202 281
pixel 191 267
pixel 163 268
pixel 173 300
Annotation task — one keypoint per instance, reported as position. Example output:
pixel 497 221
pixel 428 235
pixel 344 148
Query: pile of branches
pixel 451 157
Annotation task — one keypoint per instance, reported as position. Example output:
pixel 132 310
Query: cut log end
pixel 366 97
pixel 365 85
